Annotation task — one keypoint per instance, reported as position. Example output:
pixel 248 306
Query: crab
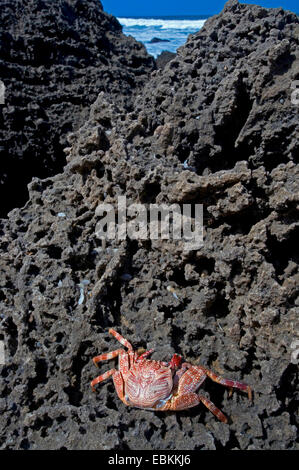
pixel 157 385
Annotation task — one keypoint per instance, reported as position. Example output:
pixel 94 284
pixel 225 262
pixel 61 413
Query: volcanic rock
pixel 164 58
pixel 55 57
pixel 155 40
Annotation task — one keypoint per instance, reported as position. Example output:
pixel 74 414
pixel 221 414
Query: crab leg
pixel 213 408
pixel 177 376
pixel 113 354
pixel 119 387
pixel 102 377
pixel 191 380
pixel 121 339
pixel 145 354
pixel 181 402
pixel 117 380
pixel 124 342
pixel 106 356
pixel 229 383
pixel 185 398
pixel 125 361
pixel 191 399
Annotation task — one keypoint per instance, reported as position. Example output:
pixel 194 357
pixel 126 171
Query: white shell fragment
pixel 82 285
pixel 81 298
pixel 171 289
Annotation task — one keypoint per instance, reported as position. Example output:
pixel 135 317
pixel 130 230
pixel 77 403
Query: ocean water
pixel 175 29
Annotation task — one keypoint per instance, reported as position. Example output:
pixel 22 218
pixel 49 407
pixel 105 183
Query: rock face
pixel 216 126
pixel 164 58
pixel 55 57
pixel 224 94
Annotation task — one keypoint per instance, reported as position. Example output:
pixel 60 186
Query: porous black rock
pixel 55 57
pixel 217 109
pixel 155 40
pixel 224 94
pixel 164 58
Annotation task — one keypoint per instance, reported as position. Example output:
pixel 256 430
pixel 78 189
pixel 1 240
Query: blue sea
pixel 175 29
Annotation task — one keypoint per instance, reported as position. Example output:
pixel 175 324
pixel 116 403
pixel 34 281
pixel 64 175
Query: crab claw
pixel 175 361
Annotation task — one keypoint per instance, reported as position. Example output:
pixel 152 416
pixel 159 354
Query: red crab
pixel 157 385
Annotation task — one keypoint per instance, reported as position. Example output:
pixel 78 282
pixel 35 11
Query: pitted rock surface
pixel 55 57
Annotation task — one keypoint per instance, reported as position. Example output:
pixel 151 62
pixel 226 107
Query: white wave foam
pixel 163 24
